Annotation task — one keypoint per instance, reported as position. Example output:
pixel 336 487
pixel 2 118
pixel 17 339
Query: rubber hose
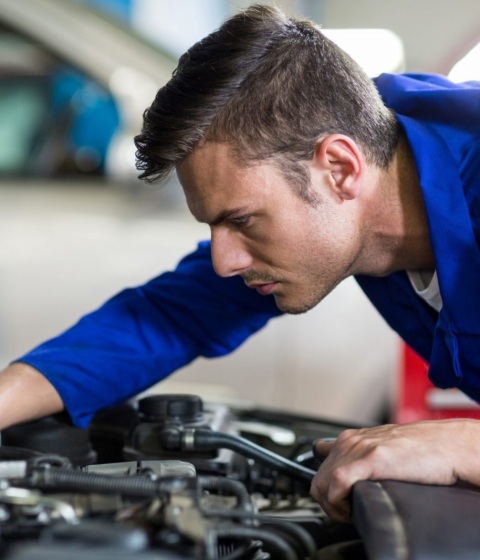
pixel 297 533
pixel 234 487
pixel 69 480
pixel 207 440
pixel 281 550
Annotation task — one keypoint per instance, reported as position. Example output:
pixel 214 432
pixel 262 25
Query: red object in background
pixel 418 399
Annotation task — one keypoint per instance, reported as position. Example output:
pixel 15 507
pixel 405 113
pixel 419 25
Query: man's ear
pixel 342 160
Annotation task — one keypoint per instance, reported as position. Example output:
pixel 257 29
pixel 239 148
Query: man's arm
pixel 25 394
pixel 143 334
pixel 434 452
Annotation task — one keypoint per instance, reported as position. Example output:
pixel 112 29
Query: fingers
pixel 355 455
pixel 437 452
pixel 322 447
pixel 329 496
pixel 335 507
pixel 332 485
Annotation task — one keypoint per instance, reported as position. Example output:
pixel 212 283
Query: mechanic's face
pixel 265 232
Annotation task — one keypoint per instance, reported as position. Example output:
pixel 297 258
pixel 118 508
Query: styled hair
pixel 271 86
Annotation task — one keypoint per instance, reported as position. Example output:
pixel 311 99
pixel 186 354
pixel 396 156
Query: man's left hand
pixel 431 452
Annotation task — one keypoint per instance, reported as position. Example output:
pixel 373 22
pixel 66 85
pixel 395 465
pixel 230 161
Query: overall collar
pixel 455 357
pixel 457 256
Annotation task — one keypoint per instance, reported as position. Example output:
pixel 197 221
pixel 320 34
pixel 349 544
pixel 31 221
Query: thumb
pixel 322 447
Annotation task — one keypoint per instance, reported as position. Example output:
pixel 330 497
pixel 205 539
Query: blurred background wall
pixel 75 226
pixel 435 33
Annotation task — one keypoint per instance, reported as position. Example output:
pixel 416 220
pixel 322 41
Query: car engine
pixel 168 476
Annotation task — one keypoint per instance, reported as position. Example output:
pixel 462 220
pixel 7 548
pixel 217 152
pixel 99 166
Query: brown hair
pixel 271 86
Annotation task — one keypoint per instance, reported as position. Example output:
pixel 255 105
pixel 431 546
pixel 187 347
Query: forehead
pixel 214 181
pixel 208 162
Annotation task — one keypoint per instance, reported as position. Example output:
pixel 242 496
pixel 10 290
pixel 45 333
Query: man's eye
pixel 240 220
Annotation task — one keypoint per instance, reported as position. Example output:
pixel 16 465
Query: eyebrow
pixel 227 214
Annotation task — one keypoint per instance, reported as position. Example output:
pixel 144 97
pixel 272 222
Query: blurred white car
pixel 73 87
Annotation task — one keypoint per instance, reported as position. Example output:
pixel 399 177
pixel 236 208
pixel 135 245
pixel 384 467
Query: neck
pixel 400 234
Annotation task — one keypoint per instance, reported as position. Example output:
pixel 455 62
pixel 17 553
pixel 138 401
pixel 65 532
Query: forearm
pixel 143 334
pixel 25 394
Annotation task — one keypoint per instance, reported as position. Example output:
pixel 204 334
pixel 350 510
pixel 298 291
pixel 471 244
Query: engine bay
pixel 173 477
pixel 168 476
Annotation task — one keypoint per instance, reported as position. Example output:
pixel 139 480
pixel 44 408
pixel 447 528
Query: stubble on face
pixel 302 249
pixel 317 290
pixel 302 293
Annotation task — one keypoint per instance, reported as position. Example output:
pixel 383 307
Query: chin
pixel 294 308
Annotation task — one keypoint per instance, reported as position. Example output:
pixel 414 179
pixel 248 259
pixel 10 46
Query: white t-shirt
pixel 425 284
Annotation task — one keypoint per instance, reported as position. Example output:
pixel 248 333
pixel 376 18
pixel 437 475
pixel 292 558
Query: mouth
pixel 263 289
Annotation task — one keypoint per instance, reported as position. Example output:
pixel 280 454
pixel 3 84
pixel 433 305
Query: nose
pixel 229 253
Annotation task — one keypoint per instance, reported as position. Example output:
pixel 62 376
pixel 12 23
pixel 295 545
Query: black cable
pixel 281 550
pixel 297 533
pixel 248 551
pixel 68 480
pixel 234 487
pixel 208 440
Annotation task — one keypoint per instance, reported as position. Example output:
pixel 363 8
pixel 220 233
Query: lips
pixel 263 289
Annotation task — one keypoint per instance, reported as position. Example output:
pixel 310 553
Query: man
pixel 305 176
